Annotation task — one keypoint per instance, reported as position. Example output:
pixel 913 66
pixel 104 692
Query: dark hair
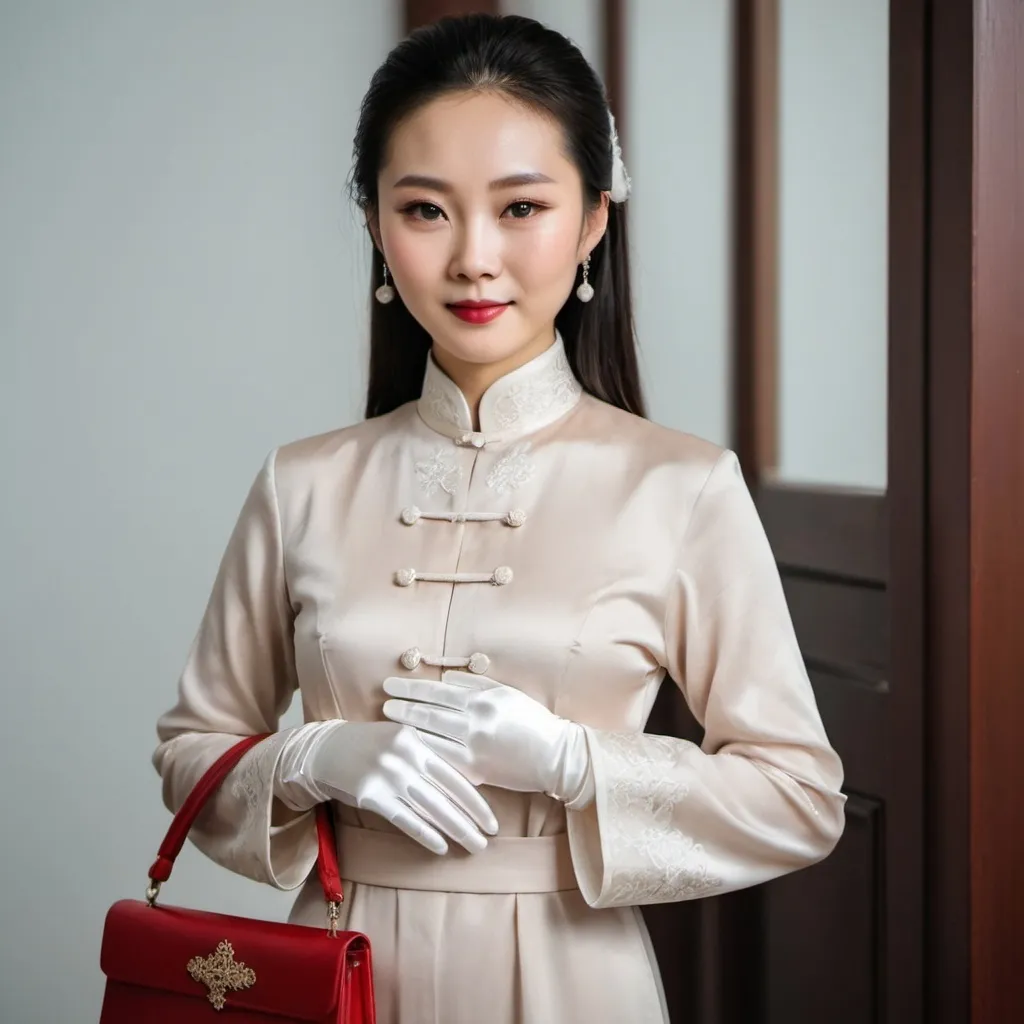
pixel 540 67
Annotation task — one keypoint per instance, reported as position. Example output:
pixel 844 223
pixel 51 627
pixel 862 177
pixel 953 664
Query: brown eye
pixel 424 211
pixel 428 211
pixel 521 210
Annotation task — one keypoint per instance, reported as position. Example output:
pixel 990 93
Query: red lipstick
pixel 478 311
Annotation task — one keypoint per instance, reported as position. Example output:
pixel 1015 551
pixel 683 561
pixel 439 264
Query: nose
pixel 476 251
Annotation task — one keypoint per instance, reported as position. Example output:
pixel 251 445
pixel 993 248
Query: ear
pixel 373 226
pixel 595 224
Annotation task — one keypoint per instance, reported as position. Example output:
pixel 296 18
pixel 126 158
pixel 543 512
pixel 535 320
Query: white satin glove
pixel 494 734
pixel 387 769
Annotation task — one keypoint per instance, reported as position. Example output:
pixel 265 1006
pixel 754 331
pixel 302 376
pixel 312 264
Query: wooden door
pixel 907 603
pixel 840 942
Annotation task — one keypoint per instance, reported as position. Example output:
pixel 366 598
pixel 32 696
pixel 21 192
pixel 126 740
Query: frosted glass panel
pixel 678 150
pixel 833 175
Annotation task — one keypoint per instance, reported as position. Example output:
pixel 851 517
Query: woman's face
pixel 479 203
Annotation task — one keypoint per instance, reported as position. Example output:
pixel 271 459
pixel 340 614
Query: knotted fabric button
pixel 479 663
pixel 515 517
pixel 405 577
pixel 411 658
pixel 501 576
pixel 411 515
pixel 471 441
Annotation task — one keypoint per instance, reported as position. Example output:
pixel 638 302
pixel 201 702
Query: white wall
pixel 182 286
pixel 833 224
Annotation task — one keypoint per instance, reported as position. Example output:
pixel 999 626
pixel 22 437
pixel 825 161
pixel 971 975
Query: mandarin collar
pixel 530 397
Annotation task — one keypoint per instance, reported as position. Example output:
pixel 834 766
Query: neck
pixel 473 379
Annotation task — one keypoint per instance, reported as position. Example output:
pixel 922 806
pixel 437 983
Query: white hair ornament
pixel 622 185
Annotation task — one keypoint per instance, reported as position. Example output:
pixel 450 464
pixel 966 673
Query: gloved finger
pixel 442 773
pixel 406 820
pixel 511 695
pixel 468 680
pixel 434 805
pixel 439 721
pixel 429 691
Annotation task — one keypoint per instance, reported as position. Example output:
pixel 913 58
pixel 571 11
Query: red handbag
pixel 170 965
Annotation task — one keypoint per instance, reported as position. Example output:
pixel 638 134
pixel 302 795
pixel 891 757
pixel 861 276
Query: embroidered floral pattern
pixel 512 470
pixel 251 785
pixel 525 400
pixel 248 781
pixel 439 472
pixel 557 390
pixel 652 860
pixel 442 404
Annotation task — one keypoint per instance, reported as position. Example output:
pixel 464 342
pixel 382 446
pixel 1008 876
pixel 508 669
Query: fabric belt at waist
pixel 512 864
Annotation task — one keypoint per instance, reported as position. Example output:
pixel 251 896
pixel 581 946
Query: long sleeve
pixel 761 796
pixel 238 680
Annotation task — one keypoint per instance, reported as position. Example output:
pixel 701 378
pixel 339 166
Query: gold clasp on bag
pixel 220 973
pixel 333 916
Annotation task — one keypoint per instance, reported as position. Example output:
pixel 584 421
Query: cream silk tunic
pixel 616 552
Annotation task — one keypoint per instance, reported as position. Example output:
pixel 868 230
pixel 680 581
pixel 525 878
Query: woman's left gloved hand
pixel 494 734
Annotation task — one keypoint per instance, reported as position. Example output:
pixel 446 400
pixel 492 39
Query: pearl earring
pixel 385 293
pixel 585 292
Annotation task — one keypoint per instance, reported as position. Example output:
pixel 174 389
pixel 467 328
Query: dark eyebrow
pixel 437 185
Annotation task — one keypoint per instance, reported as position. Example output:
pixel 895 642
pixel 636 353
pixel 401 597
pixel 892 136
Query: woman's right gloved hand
pixel 385 768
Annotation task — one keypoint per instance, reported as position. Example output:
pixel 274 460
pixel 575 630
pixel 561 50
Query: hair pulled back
pixel 539 67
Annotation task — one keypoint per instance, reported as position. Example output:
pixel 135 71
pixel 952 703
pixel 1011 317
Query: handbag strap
pixel 327 852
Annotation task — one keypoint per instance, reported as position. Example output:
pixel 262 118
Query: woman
pixel 479 590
